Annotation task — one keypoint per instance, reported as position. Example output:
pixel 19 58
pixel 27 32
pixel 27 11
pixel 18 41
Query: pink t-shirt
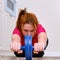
pixel 35 39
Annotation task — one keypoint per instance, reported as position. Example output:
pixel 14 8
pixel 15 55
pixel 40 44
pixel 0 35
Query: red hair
pixel 25 17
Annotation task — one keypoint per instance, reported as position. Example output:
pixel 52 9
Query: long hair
pixel 26 17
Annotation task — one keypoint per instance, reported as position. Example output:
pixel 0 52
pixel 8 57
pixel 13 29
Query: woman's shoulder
pixel 16 31
pixel 40 29
pixel 39 26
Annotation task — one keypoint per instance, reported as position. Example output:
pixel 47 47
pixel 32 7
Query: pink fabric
pixel 40 29
pixel 35 39
pixel 16 31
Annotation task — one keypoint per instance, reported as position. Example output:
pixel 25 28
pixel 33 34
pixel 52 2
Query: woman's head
pixel 27 23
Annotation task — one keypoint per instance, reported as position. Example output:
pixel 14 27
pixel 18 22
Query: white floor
pixel 15 58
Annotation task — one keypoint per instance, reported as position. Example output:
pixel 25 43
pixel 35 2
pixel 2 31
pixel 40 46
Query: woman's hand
pixel 15 46
pixel 38 47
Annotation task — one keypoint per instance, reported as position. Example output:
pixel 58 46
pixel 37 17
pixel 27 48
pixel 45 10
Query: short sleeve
pixel 16 31
pixel 40 29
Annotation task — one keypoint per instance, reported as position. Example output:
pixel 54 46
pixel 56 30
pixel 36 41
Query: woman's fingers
pixel 35 52
pixel 15 46
pixel 38 47
pixel 20 51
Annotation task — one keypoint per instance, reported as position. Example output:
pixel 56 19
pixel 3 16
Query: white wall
pixel 7 23
pixel 48 14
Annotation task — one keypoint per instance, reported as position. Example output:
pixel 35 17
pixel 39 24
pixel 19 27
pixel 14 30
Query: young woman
pixel 27 24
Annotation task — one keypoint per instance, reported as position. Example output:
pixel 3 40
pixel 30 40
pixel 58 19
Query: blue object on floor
pixel 28 47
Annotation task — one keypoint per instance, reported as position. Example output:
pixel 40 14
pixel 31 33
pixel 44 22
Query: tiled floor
pixel 15 58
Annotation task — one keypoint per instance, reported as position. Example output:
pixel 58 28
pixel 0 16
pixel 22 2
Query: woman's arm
pixel 42 38
pixel 15 44
pixel 15 38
